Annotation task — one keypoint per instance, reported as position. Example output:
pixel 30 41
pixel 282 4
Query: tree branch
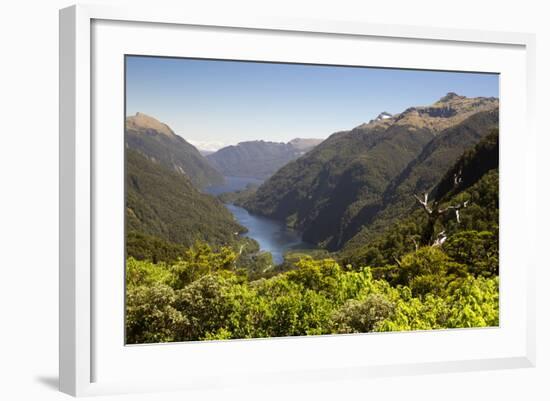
pixel 424 203
pixel 456 208
pixel 440 239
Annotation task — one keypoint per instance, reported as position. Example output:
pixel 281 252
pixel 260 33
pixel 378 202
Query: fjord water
pixel 232 184
pixel 272 235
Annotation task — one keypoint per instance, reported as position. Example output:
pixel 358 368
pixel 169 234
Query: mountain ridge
pixel 474 173
pixel 424 172
pixel 323 192
pixel 158 142
pixel 258 158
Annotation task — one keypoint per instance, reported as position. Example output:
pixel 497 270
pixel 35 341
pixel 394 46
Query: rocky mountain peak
pixel 141 121
pixel 450 96
pixel 383 116
pixel 449 110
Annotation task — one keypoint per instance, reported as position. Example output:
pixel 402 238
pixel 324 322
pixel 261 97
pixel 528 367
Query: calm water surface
pixel 272 235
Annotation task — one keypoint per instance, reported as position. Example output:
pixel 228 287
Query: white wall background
pixel 29 199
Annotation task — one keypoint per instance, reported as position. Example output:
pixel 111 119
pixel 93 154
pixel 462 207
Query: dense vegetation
pixel 477 231
pixel 424 172
pixel 205 295
pixel 385 239
pixel 163 203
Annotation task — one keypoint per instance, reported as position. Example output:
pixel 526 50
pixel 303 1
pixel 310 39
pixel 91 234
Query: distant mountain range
pixel 372 171
pixel 259 159
pixel 156 141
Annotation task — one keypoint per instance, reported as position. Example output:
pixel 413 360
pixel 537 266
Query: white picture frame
pixel 92 354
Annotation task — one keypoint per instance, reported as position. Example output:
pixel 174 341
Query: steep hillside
pixel 158 142
pixel 440 154
pixel 423 172
pixel 328 192
pixel 471 166
pixel 163 203
pixel 473 177
pixel 258 159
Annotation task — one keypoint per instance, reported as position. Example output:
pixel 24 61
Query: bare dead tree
pixel 429 237
pixel 458 178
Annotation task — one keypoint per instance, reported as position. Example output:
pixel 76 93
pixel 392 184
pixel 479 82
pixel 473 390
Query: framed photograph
pixel 278 200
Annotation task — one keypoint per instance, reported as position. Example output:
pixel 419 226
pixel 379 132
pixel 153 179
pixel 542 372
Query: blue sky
pixel 215 103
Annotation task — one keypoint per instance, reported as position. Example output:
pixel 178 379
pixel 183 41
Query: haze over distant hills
pixel 160 144
pixel 259 159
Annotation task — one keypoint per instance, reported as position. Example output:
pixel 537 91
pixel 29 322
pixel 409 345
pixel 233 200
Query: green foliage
pixel 477 249
pixel 428 270
pixel 257 264
pixel 146 247
pixel 471 302
pixel 146 273
pixel 200 260
pixel 363 316
pixel 206 304
pixel 151 315
pixel 205 296
pixel 401 237
pixel 475 303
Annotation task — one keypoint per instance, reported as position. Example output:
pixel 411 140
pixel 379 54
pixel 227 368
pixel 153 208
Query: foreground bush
pixel 205 295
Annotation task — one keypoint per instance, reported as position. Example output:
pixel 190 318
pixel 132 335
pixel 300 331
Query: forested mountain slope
pixel 473 179
pixel 163 203
pixel 258 159
pixel 158 142
pixel 423 172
